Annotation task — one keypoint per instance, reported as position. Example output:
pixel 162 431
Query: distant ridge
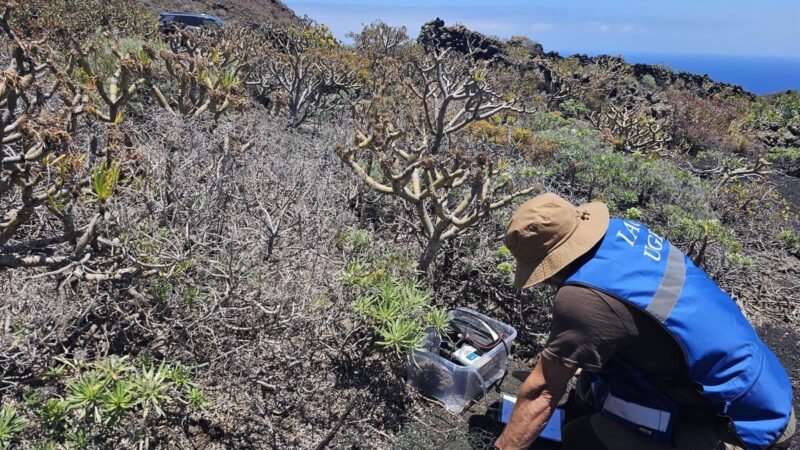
pixel 237 11
pixel 460 37
pixel 637 87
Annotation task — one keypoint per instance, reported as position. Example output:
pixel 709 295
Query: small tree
pixel 111 70
pixel 201 72
pixel 414 155
pixel 379 40
pixel 305 69
pixel 630 132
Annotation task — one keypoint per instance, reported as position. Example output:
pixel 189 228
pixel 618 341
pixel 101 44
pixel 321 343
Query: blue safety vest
pixel 739 375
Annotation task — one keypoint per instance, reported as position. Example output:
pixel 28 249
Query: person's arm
pixel 537 399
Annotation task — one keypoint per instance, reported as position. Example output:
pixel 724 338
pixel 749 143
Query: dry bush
pixel 630 131
pixel 698 124
pixel 303 70
pixel 252 302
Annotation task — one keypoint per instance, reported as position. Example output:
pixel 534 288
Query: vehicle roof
pixel 205 16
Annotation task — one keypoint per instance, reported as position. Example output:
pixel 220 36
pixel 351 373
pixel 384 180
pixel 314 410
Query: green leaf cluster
pixel 574 108
pixel 780 111
pixel 104 179
pixel 11 425
pixel 399 309
pixel 356 239
pixel 97 400
pixel 789 240
pixel 698 234
pixel 787 158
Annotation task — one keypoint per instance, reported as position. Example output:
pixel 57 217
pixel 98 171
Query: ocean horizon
pixel 760 75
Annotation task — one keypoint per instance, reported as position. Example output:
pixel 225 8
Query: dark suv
pixel 192 21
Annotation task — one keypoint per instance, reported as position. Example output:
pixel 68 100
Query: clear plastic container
pixel 451 383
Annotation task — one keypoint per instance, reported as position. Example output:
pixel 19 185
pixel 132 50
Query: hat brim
pixel 585 237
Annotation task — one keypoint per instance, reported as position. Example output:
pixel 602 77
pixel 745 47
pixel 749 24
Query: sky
pixel 616 27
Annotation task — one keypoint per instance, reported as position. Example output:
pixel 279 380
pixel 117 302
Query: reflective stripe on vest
pixel 653 418
pixel 740 376
pixel 671 285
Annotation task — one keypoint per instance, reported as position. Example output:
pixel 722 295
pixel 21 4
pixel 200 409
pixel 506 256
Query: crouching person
pixel 668 359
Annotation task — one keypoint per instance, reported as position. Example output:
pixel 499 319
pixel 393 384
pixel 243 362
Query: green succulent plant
pixel 401 335
pixel 180 376
pixel 104 179
pixel 86 395
pixel 11 425
pixel 197 398
pixel 438 320
pixel 113 367
pixel 117 402
pixel 53 413
pixel 152 387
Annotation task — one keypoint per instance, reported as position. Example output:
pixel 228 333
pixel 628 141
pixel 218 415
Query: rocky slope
pixel 618 77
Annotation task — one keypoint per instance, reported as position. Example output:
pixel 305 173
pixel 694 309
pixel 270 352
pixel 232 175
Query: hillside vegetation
pixel 231 238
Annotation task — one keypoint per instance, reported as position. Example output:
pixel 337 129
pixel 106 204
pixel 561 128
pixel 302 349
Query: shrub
pixel 305 70
pixel 62 20
pixel 574 108
pixel 486 131
pixel 98 402
pixel 629 182
pixel 541 121
pixel 776 112
pixel 521 49
pixel 787 158
pixel 669 199
pixel 11 425
pixel 399 311
pixel 379 40
pixel 696 235
pixel 199 72
pixel 451 182
pixel 697 124
pixel 649 81
pixel 788 105
pixel 630 131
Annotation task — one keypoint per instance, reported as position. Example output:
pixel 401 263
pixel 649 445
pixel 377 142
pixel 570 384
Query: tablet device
pixel 552 431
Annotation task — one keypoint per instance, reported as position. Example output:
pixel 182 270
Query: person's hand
pixel 537 399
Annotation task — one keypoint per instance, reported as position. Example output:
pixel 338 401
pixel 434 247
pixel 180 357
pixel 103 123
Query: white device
pixel 467 355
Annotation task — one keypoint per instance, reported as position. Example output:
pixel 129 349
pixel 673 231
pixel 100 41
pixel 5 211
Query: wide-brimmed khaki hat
pixel 547 233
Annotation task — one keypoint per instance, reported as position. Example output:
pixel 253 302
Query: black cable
pixel 472 329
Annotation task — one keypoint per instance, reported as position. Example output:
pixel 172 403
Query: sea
pixel 757 74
